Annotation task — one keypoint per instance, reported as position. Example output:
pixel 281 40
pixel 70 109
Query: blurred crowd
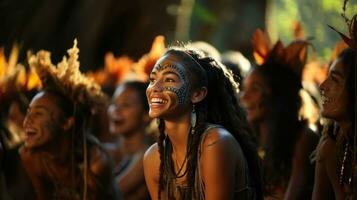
pixel 150 128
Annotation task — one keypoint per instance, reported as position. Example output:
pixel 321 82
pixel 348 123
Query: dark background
pixel 124 27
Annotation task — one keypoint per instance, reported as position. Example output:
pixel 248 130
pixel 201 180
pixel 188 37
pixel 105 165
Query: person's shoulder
pixel 100 160
pixel 152 152
pixel 151 163
pixel 217 135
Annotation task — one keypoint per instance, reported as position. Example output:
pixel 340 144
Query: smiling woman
pixel 205 149
pixel 62 158
pixel 270 95
pixel 335 158
pixel 129 120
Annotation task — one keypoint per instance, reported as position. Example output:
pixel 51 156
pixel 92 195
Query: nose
pixel 242 96
pixel 112 109
pixel 26 121
pixel 322 86
pixel 155 86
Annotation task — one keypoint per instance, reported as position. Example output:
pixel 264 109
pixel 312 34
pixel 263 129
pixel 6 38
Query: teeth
pixel 325 99
pixel 116 121
pixel 30 133
pixel 30 130
pixel 158 100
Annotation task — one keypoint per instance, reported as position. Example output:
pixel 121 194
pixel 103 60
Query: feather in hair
pixel 145 64
pixel 261 46
pixel 294 55
pixel 67 79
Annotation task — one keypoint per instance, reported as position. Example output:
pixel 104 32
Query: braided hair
pixel 221 107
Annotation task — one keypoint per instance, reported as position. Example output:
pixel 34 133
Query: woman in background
pixel 271 99
pixel 129 120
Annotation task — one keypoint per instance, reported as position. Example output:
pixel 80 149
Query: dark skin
pixel 334 106
pixel 128 120
pixel 47 152
pixel 220 151
pixel 253 98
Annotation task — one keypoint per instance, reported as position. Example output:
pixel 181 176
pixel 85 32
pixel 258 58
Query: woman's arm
pixel 218 164
pixel 302 176
pixel 100 180
pixel 152 170
pixel 132 178
pixel 323 188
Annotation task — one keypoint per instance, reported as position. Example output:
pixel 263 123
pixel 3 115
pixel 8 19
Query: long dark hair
pixel 219 107
pixel 284 126
pixel 82 140
pixel 348 144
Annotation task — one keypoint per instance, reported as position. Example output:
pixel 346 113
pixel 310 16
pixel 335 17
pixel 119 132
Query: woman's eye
pixel 255 89
pixel 37 113
pixel 169 80
pixel 152 80
pixel 334 79
pixel 126 105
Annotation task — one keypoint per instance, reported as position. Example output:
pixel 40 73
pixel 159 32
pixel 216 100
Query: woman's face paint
pixel 182 92
pixel 169 84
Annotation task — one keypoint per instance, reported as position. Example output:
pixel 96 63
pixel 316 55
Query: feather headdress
pixel 14 78
pixel 294 55
pixel 67 79
pixel 16 85
pixel 119 69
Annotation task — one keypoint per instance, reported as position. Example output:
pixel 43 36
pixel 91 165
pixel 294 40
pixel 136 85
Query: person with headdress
pixel 205 149
pixel 336 168
pixel 271 98
pixel 60 154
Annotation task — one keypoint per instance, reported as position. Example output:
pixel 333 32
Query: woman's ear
pixel 68 124
pixel 198 95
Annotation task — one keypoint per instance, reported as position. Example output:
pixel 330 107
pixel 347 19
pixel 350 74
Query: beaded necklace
pixel 344 165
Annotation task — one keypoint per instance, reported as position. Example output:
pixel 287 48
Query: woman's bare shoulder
pixel 219 141
pixel 217 135
pixel 152 154
pixel 100 160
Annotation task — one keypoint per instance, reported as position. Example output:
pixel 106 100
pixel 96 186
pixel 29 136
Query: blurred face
pixel 41 123
pixel 334 93
pixel 168 91
pixel 253 97
pixel 126 112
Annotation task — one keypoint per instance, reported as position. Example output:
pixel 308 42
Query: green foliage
pixel 204 14
pixel 314 15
